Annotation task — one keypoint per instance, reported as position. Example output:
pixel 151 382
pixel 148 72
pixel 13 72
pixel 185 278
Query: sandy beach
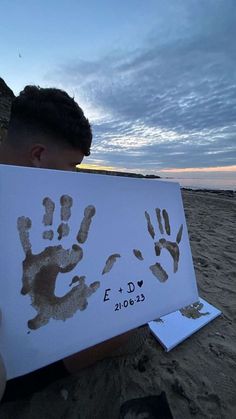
pixel 198 376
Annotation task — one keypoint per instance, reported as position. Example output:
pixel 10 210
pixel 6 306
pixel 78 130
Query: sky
pixel 156 78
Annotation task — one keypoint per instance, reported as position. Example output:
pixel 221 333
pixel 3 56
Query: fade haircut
pixel 51 112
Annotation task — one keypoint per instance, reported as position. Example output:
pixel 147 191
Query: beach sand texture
pixel 198 376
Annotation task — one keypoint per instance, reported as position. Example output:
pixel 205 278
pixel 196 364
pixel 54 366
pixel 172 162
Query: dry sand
pixel 199 376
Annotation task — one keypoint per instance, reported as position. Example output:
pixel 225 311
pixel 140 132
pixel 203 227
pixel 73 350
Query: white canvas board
pixel 41 324
pixel 174 328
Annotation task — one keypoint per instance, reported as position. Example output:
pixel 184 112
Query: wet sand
pixel 198 376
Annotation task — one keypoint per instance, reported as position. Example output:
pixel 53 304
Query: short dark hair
pixel 50 111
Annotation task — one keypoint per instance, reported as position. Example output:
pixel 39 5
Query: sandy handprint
pixel 193 311
pixel 171 246
pixel 40 271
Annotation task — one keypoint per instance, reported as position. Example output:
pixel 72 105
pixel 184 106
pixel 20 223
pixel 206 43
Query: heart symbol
pixel 140 283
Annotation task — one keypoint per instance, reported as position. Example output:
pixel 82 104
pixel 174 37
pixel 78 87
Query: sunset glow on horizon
pixel 95 167
pixel 171 170
pixel 200 169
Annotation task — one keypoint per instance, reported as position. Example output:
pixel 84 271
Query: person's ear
pixel 37 153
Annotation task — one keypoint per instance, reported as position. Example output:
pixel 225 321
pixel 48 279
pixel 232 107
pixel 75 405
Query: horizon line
pixel 92 166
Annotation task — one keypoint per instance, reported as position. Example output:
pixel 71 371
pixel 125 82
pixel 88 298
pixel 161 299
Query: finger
pixel 110 263
pixel 48 234
pixel 49 210
pixel 76 278
pixel 158 214
pixel 179 235
pixel 158 248
pixel 149 225
pixel 138 254
pixel 89 213
pixel 23 226
pixel 166 220
pixel 159 272
pixel 66 204
pixel 63 230
pixel 48 218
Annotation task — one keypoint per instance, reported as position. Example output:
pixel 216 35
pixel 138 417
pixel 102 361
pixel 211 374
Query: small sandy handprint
pixel 193 311
pixel 171 246
pixel 40 271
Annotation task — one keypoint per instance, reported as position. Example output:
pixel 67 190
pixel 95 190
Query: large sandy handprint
pixel 40 270
pixel 172 247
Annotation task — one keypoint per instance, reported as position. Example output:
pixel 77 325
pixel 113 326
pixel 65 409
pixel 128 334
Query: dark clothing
pixel 28 384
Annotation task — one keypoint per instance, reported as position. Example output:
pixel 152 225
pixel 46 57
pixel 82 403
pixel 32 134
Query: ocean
pixel 223 183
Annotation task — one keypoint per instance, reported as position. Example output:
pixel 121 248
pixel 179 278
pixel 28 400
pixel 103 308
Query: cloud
pixel 173 100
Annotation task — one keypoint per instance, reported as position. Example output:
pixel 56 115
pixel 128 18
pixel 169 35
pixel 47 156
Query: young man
pixel 48 129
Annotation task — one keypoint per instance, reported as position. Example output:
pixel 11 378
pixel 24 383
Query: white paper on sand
pixel 54 295
pixel 174 328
